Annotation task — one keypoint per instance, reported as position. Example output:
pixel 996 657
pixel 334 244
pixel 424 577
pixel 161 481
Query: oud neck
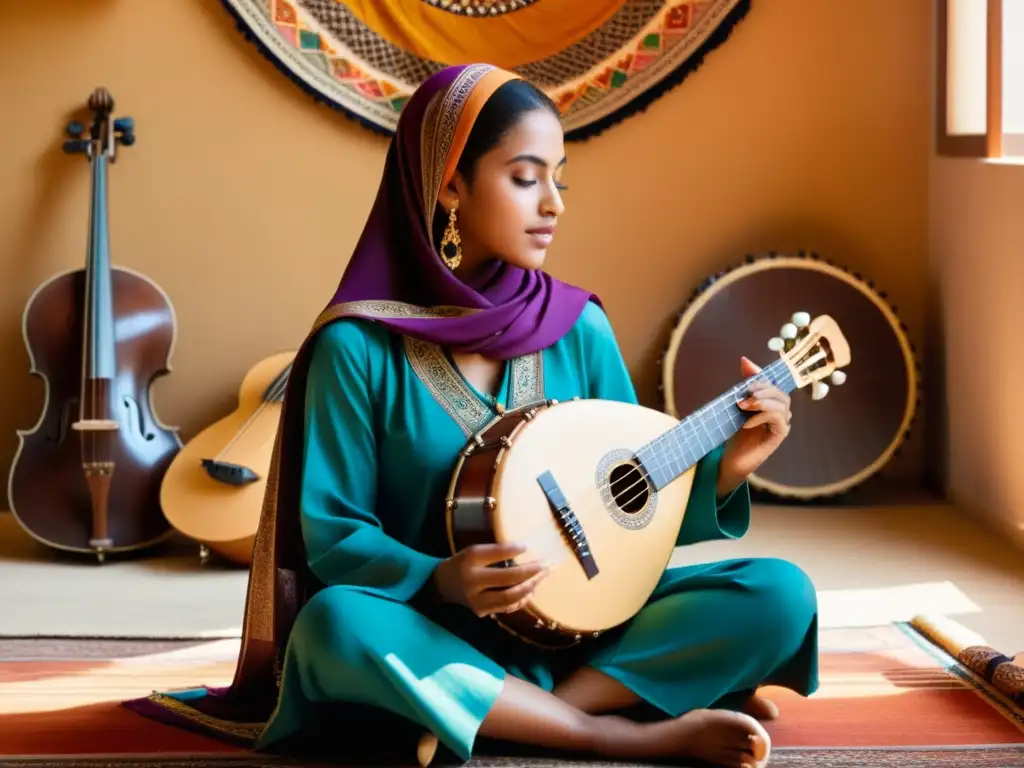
pixel 99 310
pixel 667 457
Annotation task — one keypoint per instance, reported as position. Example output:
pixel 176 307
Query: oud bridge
pixel 228 473
pixel 571 526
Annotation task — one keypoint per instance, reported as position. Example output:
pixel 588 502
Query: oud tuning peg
pixel 818 390
pixel 801 319
pixel 788 331
pixel 838 377
pixel 75 129
pixel 776 343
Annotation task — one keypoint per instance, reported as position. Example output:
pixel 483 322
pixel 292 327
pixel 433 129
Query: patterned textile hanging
pixel 600 60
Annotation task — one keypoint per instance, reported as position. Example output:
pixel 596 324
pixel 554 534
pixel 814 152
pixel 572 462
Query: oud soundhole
pixel 629 488
pixel 625 489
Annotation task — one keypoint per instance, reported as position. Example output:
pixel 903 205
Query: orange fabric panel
pixel 481 93
pixel 506 40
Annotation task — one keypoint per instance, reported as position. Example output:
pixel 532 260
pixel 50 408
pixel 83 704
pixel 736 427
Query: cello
pixel 86 478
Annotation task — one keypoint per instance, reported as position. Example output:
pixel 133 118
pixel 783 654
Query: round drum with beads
pixel 842 432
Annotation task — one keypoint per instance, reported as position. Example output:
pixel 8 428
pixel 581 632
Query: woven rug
pixel 889 697
pixel 600 60
pixel 1011 757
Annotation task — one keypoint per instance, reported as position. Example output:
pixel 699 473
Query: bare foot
pixel 426 749
pixel 715 736
pixel 760 708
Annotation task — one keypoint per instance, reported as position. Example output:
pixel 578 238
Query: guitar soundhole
pixel 629 488
pixel 625 489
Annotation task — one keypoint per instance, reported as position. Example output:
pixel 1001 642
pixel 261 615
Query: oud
pixel 86 477
pixel 598 489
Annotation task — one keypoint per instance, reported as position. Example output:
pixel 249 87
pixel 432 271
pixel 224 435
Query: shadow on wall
pixel 270 76
pixel 54 173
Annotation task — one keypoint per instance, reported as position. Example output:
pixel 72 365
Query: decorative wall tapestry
pixel 600 60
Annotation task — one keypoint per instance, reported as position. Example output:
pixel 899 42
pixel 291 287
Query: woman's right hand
pixel 472 578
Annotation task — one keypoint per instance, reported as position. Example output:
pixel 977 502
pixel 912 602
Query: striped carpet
pixel 888 697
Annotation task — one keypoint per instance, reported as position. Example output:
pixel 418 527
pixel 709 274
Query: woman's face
pixel 510 207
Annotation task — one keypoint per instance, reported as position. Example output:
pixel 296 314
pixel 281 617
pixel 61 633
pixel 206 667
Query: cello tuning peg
pixel 125 126
pixel 801 319
pixel 819 390
pixel 75 146
pixel 788 331
pixel 776 343
pixel 838 377
pixel 126 130
pixel 75 129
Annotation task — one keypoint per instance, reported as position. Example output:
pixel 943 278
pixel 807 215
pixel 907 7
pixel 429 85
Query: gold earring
pixel 451 237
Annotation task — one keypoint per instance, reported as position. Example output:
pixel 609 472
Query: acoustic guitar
pixel 213 490
pixel 597 489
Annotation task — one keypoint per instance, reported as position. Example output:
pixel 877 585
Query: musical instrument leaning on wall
pixel 86 478
pixel 213 490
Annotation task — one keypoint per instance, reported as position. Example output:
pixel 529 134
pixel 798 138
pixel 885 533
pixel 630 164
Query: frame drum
pixel 837 442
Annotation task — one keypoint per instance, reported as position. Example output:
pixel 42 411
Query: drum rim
pixel 810 261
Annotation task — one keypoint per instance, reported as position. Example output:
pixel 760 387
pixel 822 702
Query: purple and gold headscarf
pixel 396 276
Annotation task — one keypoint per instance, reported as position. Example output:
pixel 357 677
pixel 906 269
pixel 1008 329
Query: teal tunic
pixel 385 418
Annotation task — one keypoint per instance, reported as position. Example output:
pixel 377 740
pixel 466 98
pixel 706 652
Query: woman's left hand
pixel 763 432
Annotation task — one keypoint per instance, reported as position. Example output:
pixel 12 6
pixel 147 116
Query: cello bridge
pixel 100 468
pixel 96 425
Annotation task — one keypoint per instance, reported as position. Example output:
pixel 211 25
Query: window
pixel 980 78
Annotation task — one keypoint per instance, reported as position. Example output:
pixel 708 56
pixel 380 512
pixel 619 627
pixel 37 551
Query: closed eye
pixel 530 182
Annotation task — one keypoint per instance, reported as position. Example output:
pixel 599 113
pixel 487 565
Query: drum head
pixel 837 442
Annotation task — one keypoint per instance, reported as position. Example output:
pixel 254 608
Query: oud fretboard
pixel 667 457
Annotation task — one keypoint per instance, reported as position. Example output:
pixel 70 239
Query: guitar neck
pixel 275 392
pixel 673 453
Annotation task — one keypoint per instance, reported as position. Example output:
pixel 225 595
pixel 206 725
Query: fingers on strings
pixel 769 406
